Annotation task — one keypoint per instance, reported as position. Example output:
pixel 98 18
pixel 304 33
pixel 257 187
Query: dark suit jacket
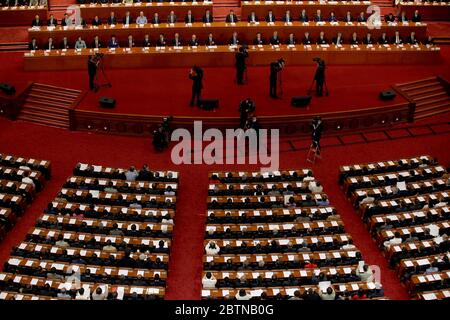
pixel 228 19
pixel 169 18
pixel 193 43
pixel 367 41
pixel 257 42
pixel 304 18
pixel 130 20
pixel 36 23
pixel 341 40
pixel 400 39
pixel 236 42
pixel 112 20
pixel 156 20
pixel 383 41
pixel 94 46
pixel 285 18
pixel 189 20
pixel 249 19
pixel 306 41
pixel 291 41
pixel 354 41
pixel 160 43
pixel 211 19
pixel 273 18
pixel 97 23
pixel 32 46
pixel 322 41
pixel 180 42
pixel 52 22
pixel 318 18
pixel 417 18
pixel 210 42
pixel 146 43
pixel 274 41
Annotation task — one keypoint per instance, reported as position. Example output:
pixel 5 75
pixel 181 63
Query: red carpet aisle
pixel 65 148
pixel 167 91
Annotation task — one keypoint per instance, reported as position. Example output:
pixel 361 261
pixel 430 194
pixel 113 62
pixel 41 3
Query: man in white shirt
pixel 131 174
pixel 243 295
pixel 141 19
pixel 26 179
pixel 212 248
pixel 100 294
pixel 209 281
pixel 81 295
pixel 396 240
pixel 315 187
pixel 366 274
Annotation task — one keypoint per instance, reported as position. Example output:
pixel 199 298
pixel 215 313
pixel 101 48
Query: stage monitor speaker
pixel 387 95
pixel 209 104
pixel 8 89
pixel 106 102
pixel 300 101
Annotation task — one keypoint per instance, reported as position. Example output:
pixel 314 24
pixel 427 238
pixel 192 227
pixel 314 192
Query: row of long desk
pixel 20 16
pixel 224 56
pixel 222 32
pixel 428 10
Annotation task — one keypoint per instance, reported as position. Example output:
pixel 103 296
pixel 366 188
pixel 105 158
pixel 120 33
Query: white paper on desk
pixel 429 296
pixel 123 272
pixel 14 262
pixel 324 285
pixel 3 295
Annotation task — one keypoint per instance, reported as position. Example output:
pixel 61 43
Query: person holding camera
pixel 241 55
pixel 246 108
pixel 275 68
pixel 196 75
pixel 93 62
pixel 316 135
pixel 319 76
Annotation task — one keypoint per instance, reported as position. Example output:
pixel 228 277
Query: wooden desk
pixel 221 31
pixel 428 11
pixel 435 295
pixel 257 176
pixel 89 11
pixel 279 8
pixel 13 161
pixel 223 56
pixel 274 214
pixel 21 16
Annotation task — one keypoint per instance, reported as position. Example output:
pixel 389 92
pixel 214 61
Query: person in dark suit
pixel 354 40
pixel 275 68
pixel 50 45
pixel 176 42
pixel 274 40
pixel 412 39
pixel 338 40
pixel 52 22
pixel 64 44
pixel 416 17
pixel 389 18
pixel 113 43
pixel 92 71
pixel 146 42
pixel 96 44
pixel 161 42
pixel 306 39
pixel 196 75
pixel 193 42
pixel 240 56
pixel 234 41
pixel 348 17
pixel 332 17
pixel 231 17
pixel 429 41
pixel 210 40
pixel 96 22
pixel 304 16
pixel 156 19
pixel 64 20
pixel 172 18
pixel 258 39
pixel 252 17
pixel 383 39
pixel 33 45
pixel 36 21
pixel 287 17
pixel 112 20
pixel 361 17
pixel 403 17
pixel 291 39
pixel 321 39
pixel 397 39
pixel 319 77
pixel 368 39
pixel 270 17
pixel 127 19
pixel 189 17
pixel 208 18
pixel 318 17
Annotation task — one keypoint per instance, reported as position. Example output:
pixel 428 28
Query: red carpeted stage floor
pixel 167 91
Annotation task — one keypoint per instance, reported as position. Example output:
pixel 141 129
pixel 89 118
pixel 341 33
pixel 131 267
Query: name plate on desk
pixel 288 23
pixel 160 48
pixel 178 48
pixel 188 24
pixel 111 26
pixel 171 24
pixel 212 47
pixel 207 24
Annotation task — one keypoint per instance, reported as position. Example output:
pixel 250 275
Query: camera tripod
pixel 313 153
pixel 310 90
pixel 99 85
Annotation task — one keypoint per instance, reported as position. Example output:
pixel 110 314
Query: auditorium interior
pixel 93 205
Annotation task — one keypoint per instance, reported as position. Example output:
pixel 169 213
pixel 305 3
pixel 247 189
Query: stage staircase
pixel 431 96
pixel 49 105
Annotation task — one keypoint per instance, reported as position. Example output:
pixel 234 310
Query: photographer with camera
pixel 246 109
pixel 161 136
pixel 240 56
pixel 93 62
pixel 316 134
pixel 196 75
pixel 275 69
pixel 319 76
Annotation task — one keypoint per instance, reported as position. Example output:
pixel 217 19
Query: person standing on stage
pixel 275 68
pixel 196 75
pixel 92 71
pixel 241 55
pixel 319 76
